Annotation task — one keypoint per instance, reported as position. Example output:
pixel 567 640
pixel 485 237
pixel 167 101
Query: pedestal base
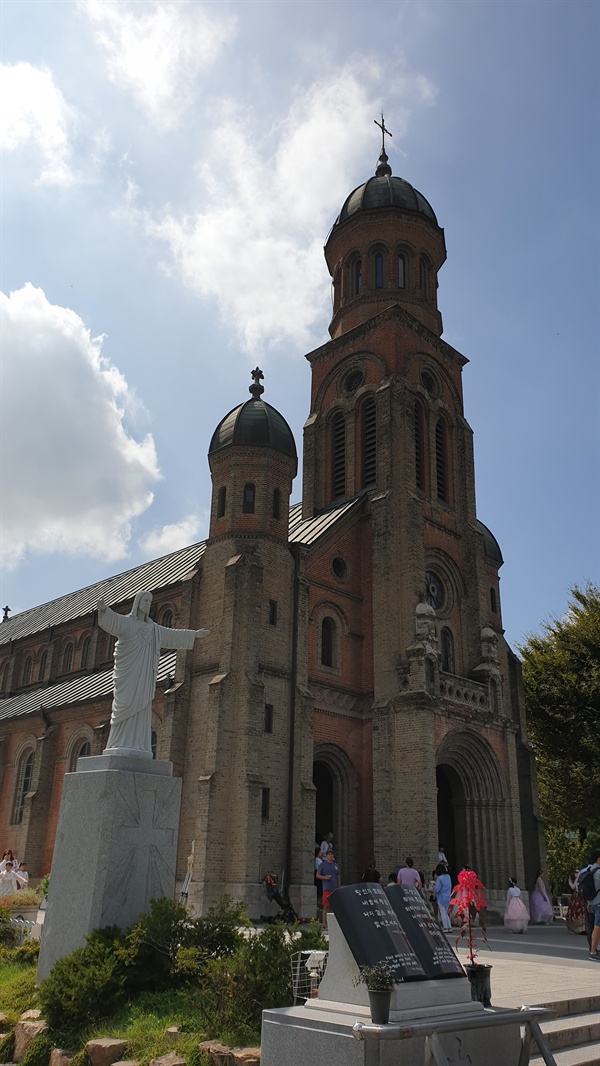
pixel 115 850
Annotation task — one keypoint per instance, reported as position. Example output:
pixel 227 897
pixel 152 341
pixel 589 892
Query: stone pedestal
pixel 321 1029
pixel 116 847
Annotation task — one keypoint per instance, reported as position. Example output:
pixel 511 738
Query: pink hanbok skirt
pixel 516 916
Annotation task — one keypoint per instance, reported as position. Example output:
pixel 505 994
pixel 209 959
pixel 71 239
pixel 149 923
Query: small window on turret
pixel 379 271
pixel 357 277
pixel 401 271
pixel 277 504
pixel 249 497
pixel 493 600
pixel 221 499
pixel 423 276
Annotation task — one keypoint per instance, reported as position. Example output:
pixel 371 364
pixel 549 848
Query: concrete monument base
pixel 321 1029
pixel 116 847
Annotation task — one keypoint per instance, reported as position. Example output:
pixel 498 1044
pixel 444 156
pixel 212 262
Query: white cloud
pixel 34 111
pixel 72 476
pixel 258 245
pixel 155 51
pixel 171 537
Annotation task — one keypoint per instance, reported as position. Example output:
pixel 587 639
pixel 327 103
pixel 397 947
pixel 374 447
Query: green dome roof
pixel 254 424
pixel 490 544
pixel 384 190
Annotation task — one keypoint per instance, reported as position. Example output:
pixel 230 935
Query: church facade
pixel 356 677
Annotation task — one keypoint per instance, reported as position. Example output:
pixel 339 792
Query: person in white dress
pixel 516 915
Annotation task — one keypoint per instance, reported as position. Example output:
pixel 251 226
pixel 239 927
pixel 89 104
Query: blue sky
pixel 169 174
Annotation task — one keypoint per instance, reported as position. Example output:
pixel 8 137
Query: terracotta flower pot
pixel 380 1006
pixel 480 978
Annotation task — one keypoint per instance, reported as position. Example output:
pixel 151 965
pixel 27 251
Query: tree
pixel 561 676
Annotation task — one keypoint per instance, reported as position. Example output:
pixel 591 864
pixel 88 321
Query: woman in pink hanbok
pixel 516 916
pixel 541 906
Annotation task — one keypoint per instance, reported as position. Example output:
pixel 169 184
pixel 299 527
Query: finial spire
pixel 383 166
pixel 256 388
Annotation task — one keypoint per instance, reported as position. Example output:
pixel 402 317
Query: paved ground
pixel 544 964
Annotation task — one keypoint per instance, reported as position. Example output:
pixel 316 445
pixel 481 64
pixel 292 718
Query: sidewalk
pixel 543 965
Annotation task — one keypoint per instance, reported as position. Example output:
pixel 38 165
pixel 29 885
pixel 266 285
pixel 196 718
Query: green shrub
pixel 44 885
pixel 149 949
pixel 217 933
pixel 23 954
pixel 38 1052
pixel 17 989
pixel 84 987
pixel 24 897
pixel 9 933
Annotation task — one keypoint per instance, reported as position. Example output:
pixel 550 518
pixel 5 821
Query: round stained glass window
pixel 353 380
pixel 435 593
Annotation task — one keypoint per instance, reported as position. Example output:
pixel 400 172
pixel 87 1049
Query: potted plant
pixel 468 899
pixel 379 979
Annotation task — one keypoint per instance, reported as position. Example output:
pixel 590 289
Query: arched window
pixel 277 504
pixel 85 654
pixel 81 751
pixel 378 265
pixel 167 619
pixel 24 776
pixel 369 443
pixel 423 276
pixel 441 460
pixel 26 676
pixel 221 498
pixel 401 271
pixel 338 456
pixel 67 662
pixel 356 277
pixel 42 667
pixel 249 498
pixel 493 600
pixel 5 676
pixel 328 632
pixel 447 649
pixel 419 447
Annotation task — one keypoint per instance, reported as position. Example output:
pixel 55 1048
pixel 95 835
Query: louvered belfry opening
pixel 338 463
pixel 440 460
pixel 369 442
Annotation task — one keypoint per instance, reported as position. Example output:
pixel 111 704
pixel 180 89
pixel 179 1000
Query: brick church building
pixel 356 678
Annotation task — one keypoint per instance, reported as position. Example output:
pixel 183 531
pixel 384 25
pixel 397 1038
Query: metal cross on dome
pixel 383 131
pixel 256 388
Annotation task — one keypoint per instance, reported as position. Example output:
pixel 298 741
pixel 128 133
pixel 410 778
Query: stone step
pixel 572 1031
pixel 586 1055
pixel 567 1007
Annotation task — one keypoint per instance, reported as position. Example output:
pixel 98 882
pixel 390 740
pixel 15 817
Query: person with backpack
pixel 588 885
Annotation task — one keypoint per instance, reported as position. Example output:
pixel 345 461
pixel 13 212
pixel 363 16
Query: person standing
pixel 541 907
pixel 442 888
pixel 593 905
pixel 408 877
pixel 329 873
pixel 317 867
pixel 371 875
pixel 516 917
pixel 326 844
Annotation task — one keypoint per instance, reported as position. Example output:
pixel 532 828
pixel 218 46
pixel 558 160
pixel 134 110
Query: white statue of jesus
pixel 137 653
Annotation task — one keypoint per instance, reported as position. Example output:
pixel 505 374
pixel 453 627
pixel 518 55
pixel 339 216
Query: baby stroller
pixel 286 911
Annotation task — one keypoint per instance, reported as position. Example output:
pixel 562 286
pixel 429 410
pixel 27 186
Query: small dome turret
pixel 254 424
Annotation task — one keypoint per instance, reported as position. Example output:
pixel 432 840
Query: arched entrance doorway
pixel 335 808
pixel 474 822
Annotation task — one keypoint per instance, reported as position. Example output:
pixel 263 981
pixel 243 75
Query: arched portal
pixel 474 818
pixel 335 781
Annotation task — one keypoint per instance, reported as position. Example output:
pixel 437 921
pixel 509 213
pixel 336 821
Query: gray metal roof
pixel 308 530
pixel 74 690
pixel 157 574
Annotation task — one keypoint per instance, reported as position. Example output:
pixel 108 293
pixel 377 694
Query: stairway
pixel 573 1035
